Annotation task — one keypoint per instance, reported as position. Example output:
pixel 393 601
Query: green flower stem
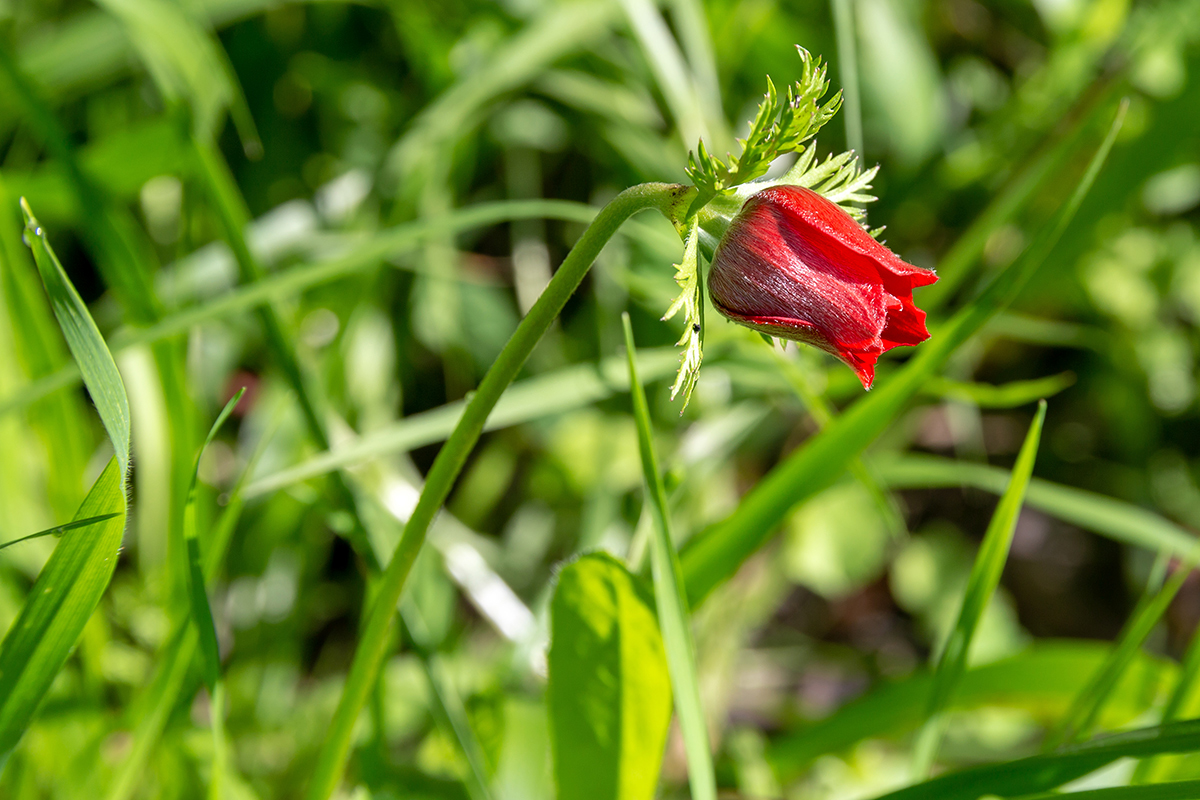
pixel 373 645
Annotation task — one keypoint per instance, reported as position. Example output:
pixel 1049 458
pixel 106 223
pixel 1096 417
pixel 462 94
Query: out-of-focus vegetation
pixel 347 207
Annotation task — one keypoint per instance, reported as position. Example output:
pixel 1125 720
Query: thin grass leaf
pixel 981 586
pixel 198 598
pixel 533 398
pixel 173 663
pixel 1009 395
pixel 361 256
pixel 1080 720
pixel 62 599
pixel 59 530
pixel 1106 516
pixel 91 354
pixel 1189 671
pixel 1045 772
pixel 717 552
pixel 1040 681
pixel 671 598
pixel 1179 790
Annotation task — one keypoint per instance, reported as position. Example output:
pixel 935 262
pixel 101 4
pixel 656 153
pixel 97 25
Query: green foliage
pixel 608 693
pixel 360 274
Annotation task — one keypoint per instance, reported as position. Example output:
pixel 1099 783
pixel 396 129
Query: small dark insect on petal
pixel 695 327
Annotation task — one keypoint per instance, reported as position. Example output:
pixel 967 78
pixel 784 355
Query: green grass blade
pixel 1009 395
pixel 981 586
pixel 670 595
pixel 1106 516
pixel 717 552
pixel 1189 671
pixel 59 530
pixel 359 257
pixel 91 354
pixel 1080 719
pixel 1179 790
pixel 198 598
pixel 533 398
pixel 609 691
pixel 153 707
pixel 62 599
pixel 1045 772
pixel 1040 681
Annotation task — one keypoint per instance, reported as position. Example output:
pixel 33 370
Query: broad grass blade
pixel 1045 772
pixel 609 693
pixel 62 599
pixel 981 585
pixel 95 362
pixel 1040 681
pixel 717 553
pixel 1179 790
pixel 670 595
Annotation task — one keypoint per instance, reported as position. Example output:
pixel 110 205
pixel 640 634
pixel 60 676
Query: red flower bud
pixel 794 265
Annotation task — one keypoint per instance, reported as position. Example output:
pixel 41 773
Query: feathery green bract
pixel 981 585
pixel 716 553
pixel 671 598
pixel 608 692
pixel 782 125
pixel 91 354
pixel 691 301
pixel 58 606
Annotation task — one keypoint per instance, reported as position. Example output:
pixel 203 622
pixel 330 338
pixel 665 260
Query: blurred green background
pixel 143 132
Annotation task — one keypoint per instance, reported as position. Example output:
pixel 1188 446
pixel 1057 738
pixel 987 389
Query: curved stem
pixel 373 646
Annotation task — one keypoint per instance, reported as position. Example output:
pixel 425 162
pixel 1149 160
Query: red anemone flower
pixel 794 265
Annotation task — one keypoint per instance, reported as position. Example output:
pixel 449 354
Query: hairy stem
pixel 373 645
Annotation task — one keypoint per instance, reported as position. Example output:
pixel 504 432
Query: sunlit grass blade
pixel 1189 671
pixel 1109 517
pixel 981 586
pixel 358 257
pixel 1040 681
pixel 91 354
pixel 374 641
pixel 198 597
pixel 202 618
pixel 533 398
pixel 59 530
pixel 1179 790
pixel 62 599
pixel 671 598
pixel 1045 772
pixel 1080 719
pixel 173 664
pixel 717 552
